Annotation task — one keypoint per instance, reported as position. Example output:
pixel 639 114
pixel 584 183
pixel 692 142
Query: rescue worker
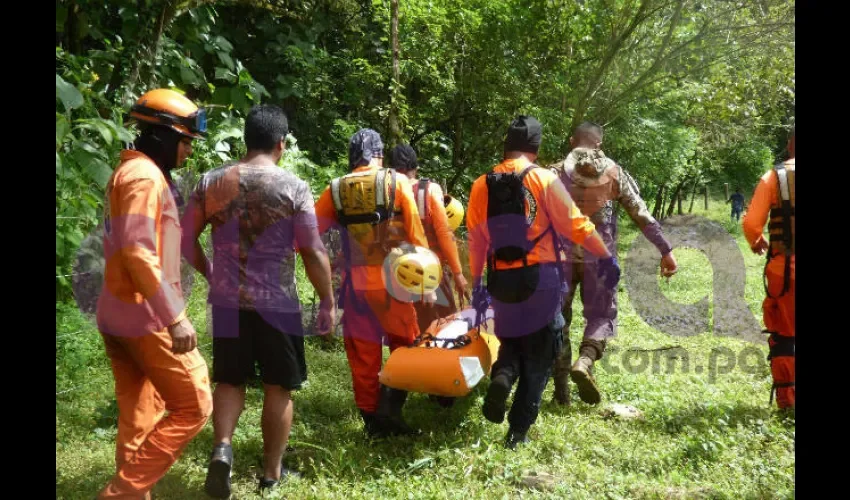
pixel 430 202
pixel 595 183
pixel 432 212
pixel 260 216
pixel 375 210
pixel 774 199
pixel 141 312
pixel 515 214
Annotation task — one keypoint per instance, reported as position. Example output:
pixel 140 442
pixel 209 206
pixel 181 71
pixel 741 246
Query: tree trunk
pixel 589 93
pixel 165 17
pixel 679 199
pixel 659 202
pixel 693 196
pixel 674 198
pixel 395 129
pixel 115 79
pixel 144 51
pixel 72 40
pixel 706 197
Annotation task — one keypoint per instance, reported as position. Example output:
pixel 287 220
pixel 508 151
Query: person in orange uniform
pixel 371 312
pixel 511 210
pixel 774 198
pixel 141 311
pixel 441 241
pixel 432 212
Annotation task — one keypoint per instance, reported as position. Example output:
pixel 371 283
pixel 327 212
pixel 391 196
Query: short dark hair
pixel 588 130
pixel 403 158
pixel 265 126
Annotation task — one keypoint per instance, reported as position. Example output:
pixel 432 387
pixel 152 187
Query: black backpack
pixel 507 223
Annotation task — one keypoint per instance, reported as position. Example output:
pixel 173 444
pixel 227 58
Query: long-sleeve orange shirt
pixel 141 292
pixel 369 277
pixel 443 242
pixel 766 196
pixel 556 208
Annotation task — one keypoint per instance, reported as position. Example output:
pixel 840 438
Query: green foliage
pixel 688 91
pixel 700 438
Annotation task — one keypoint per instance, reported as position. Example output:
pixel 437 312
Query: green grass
pixel 706 434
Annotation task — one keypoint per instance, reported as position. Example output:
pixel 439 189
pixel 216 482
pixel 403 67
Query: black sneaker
pixel 495 402
pixel 285 473
pixel 515 438
pixel 218 473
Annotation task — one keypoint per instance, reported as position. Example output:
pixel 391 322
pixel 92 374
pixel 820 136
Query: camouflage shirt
pixel 253 210
pixel 595 183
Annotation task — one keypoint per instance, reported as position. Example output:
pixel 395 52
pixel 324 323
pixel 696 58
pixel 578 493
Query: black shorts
pixel 243 339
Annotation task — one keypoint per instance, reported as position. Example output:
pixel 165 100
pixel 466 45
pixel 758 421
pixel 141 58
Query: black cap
pixel 403 158
pixel 524 134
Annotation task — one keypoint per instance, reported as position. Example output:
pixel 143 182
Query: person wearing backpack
pixel 438 231
pixel 375 210
pixel 516 213
pixel 774 203
pixel 596 182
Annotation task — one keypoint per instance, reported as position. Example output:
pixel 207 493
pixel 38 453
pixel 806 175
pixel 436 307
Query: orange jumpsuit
pixel 778 311
pixel 442 242
pixel 371 314
pixel 141 297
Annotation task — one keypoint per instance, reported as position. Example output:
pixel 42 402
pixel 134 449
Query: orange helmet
pixel 173 110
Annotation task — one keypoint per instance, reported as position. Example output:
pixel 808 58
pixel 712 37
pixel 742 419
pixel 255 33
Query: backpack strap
pixel 421 195
pixel 380 194
pixel 390 206
pixel 787 213
pixel 335 196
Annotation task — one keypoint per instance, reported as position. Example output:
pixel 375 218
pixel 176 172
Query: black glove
pixel 609 271
pixel 480 301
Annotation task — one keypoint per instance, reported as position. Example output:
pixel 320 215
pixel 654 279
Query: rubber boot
pixel 374 425
pixel 390 410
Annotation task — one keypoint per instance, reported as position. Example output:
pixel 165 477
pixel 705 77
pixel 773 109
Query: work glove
pixel 480 302
pixel 608 270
